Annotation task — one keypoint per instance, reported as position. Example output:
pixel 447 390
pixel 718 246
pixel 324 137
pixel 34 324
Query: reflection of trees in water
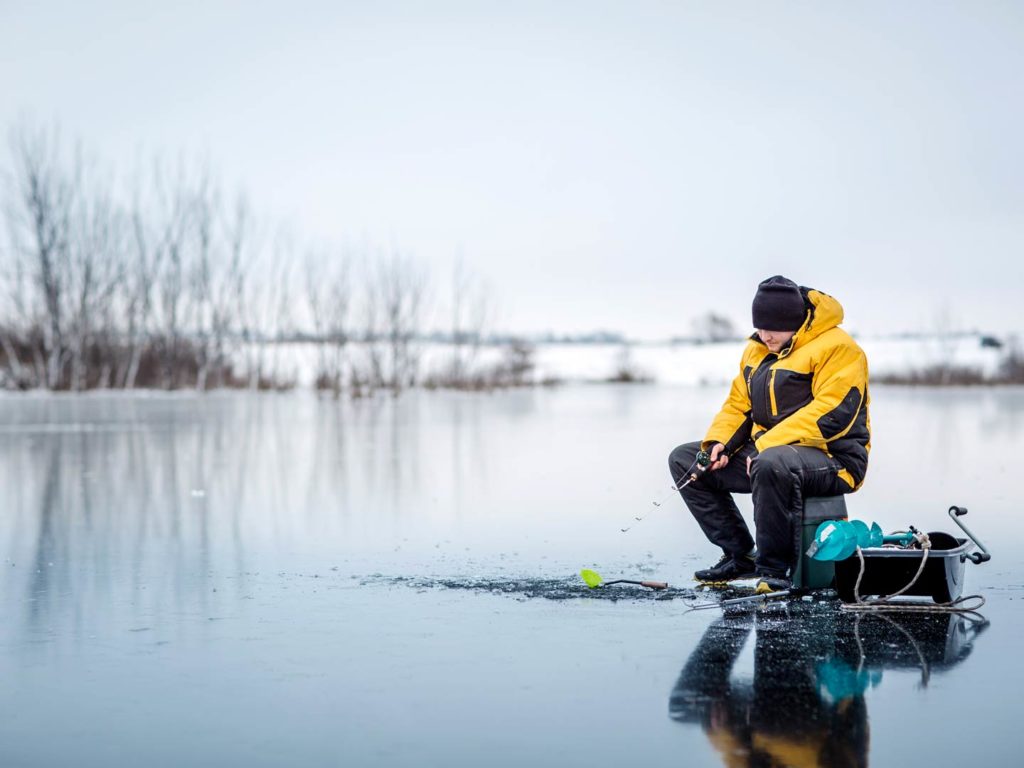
pixel 1003 413
pixel 48 545
pixel 144 506
pixel 805 704
pixel 945 426
pixel 957 415
pixel 110 519
pixel 468 454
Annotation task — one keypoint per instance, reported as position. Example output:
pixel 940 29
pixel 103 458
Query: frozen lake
pixel 257 580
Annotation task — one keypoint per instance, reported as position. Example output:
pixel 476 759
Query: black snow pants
pixel 780 479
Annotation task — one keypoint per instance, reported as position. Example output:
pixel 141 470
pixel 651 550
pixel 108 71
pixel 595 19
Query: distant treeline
pixel 156 277
pixel 945 371
pixel 159 279
pixel 1009 371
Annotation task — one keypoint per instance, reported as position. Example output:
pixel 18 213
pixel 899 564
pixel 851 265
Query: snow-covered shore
pixel 299 364
pixel 662 362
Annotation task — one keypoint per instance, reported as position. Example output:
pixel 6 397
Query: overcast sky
pixel 623 165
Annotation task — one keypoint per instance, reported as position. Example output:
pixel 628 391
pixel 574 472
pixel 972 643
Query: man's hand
pixel 718 457
pixel 749 459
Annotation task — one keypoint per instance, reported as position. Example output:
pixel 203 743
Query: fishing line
pixel 699 467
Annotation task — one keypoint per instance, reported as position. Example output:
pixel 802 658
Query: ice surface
pixel 283 579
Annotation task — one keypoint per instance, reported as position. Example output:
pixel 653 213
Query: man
pixel 795 425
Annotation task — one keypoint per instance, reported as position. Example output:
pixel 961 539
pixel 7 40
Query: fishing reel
pixel 700 466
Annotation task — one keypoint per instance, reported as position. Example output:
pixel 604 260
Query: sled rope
pixel 968 604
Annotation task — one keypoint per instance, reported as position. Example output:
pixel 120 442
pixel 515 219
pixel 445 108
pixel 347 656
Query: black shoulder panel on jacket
pixel 840 417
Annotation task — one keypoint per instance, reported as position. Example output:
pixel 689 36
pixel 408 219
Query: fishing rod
pixel 697 469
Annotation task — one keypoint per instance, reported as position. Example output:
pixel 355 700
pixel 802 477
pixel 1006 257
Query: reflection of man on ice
pixel 781 717
pixel 795 425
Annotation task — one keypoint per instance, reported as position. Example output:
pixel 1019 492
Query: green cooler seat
pixel 808 573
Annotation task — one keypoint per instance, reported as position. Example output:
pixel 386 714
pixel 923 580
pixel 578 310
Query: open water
pixel 267 580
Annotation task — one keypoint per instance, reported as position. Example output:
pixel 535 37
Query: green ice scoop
pixel 594 580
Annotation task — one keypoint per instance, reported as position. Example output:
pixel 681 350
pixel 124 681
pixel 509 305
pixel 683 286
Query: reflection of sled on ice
pixel 811 671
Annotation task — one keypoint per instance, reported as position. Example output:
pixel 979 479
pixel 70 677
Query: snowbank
pixel 684 364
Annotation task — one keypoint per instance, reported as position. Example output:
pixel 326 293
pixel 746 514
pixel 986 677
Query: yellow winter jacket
pixel 813 393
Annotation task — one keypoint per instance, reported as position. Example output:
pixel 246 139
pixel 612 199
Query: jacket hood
pixel 826 314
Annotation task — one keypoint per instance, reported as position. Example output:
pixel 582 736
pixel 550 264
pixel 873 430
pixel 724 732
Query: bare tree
pixel 401 286
pixel 713 327
pixel 39 220
pixel 95 272
pixel 173 210
pixel 264 308
pixel 15 329
pixel 220 243
pixel 163 285
pixel 200 275
pixel 141 273
pixel 518 364
pixel 281 316
pixel 471 312
pixel 328 293
pixel 368 372
pixel 945 331
pixel 316 303
pixel 239 235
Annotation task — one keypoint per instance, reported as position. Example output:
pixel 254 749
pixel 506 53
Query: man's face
pixel 775 340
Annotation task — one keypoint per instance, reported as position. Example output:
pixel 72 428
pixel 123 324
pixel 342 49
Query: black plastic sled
pixel 889 569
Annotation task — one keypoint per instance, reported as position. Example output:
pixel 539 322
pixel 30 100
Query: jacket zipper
pixel 760 377
pixel 771 394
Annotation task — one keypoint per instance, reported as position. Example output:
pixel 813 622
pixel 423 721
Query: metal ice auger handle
pixel 975 557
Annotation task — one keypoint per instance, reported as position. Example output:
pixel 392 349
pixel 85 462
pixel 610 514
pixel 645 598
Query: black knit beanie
pixel 778 305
